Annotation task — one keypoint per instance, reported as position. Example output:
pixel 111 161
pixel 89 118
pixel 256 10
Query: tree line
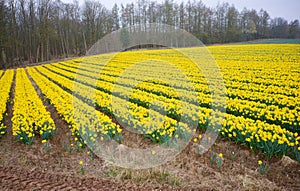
pixel 40 30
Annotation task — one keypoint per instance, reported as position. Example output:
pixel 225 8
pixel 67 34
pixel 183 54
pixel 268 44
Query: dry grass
pixel 187 171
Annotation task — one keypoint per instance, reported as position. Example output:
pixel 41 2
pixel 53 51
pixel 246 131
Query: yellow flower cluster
pixel 5 86
pixel 84 121
pixel 29 114
pixel 159 130
pixel 275 109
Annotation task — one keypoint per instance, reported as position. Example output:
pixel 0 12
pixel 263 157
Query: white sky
pixel 288 9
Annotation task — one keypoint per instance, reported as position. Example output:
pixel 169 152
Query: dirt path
pixel 26 167
pixel 23 179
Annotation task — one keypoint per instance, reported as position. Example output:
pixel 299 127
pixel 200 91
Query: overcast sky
pixel 288 9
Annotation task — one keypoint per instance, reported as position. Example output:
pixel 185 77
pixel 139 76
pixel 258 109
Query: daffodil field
pixel 262 98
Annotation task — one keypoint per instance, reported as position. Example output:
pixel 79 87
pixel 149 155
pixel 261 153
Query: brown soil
pixel 1 75
pixel 29 179
pixel 24 167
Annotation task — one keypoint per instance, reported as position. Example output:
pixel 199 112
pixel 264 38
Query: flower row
pixel 5 88
pixel 237 128
pixel 85 123
pixel 146 92
pixel 30 116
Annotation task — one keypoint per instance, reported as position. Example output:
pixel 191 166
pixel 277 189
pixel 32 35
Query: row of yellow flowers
pixel 5 87
pixel 243 90
pixel 83 119
pixel 286 117
pixel 117 66
pixel 261 79
pixel 152 124
pixel 30 116
pixel 274 108
pixel 257 91
pixel 255 133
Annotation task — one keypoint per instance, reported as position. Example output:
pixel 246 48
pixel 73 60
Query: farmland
pixel 40 106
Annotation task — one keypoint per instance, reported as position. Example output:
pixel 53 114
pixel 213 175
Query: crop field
pixel 59 107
